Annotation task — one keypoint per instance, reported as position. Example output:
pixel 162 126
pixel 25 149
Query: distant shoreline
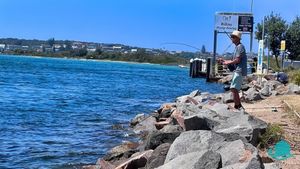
pixel 97 60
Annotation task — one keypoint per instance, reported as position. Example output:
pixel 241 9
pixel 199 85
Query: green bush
pixel 294 76
pixel 273 134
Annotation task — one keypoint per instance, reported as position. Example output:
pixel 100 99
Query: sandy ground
pixel 275 110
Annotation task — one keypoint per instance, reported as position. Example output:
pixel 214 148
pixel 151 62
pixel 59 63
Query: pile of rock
pixel 196 131
pixel 255 88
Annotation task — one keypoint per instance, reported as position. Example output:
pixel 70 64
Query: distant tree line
pixel 277 29
pixel 141 55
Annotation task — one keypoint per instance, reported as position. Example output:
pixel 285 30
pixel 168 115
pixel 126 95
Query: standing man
pixel 240 62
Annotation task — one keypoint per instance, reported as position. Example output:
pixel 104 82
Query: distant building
pixel 13 47
pixel 117 47
pixel 133 50
pixel 91 48
pixel 2 46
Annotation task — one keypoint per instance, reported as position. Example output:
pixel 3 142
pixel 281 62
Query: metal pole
pixel 251 5
pixel 268 64
pixel 263 30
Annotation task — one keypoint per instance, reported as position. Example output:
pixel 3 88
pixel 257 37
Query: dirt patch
pixel 274 110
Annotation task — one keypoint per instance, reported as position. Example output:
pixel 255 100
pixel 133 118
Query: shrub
pixel 273 134
pixel 294 76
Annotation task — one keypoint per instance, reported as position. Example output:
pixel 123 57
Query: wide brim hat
pixel 237 34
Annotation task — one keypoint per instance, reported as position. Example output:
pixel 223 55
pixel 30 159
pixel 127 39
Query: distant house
pixel 25 48
pixel 57 46
pixel 78 45
pixel 2 47
pixel 117 47
pixel 107 48
pixel 133 50
pixel 13 47
pixel 91 48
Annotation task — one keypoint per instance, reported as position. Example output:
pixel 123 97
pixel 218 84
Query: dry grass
pixel 285 117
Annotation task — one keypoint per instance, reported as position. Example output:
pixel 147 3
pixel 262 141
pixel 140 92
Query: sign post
pixel 226 22
pixel 282 49
pixel 260 57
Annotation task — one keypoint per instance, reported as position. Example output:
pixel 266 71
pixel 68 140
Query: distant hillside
pixel 91 50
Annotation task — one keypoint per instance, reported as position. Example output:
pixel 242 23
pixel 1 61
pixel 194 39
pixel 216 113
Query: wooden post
pixel 208 65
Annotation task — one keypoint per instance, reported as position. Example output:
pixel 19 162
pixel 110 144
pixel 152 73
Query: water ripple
pixel 60 113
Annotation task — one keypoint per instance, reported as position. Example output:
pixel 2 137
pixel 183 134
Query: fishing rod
pixel 184 44
pixel 178 43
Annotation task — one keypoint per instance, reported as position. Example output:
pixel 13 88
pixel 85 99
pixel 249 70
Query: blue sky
pixel 142 23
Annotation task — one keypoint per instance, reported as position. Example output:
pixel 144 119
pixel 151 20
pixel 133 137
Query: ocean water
pixel 59 113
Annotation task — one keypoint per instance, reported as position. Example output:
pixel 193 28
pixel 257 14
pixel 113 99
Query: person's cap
pixel 237 34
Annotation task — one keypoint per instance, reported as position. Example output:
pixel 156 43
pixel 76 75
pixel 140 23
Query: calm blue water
pixel 58 113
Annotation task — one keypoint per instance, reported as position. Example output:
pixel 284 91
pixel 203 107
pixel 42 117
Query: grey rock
pixel 137 119
pixel 121 152
pixel 137 160
pixel 157 138
pixel 228 97
pixel 192 141
pixel 146 126
pixel 293 89
pixel 245 87
pixel 158 156
pixel 195 93
pixel 266 91
pixel 185 161
pixel 252 95
pixel 243 124
pixel 171 129
pixel 273 84
pixel 240 155
pixel 210 159
pixel 272 166
pixel 199 123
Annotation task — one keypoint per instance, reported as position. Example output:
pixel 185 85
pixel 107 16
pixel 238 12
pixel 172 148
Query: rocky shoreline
pixel 198 130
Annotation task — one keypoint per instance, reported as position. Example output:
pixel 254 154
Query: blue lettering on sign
pixel 260 57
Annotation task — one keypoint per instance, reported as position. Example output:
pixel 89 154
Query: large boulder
pixel 146 126
pixel 157 138
pixel 266 91
pixel 273 84
pixel 158 156
pixel 171 128
pixel 121 152
pixel 240 155
pixel 210 159
pixel 192 141
pixel 228 97
pixel 138 160
pixel 243 124
pixel 137 119
pixel 253 95
pixel 195 93
pixel 190 151
pixel 293 89
pixel 185 161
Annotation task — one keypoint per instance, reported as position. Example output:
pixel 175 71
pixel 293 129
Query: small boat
pixel 182 66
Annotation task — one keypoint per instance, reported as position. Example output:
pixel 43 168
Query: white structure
pixel 133 50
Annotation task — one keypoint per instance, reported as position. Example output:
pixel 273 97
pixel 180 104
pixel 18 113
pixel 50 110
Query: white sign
pixel 260 57
pixel 226 22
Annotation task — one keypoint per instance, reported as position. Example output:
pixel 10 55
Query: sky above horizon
pixel 141 23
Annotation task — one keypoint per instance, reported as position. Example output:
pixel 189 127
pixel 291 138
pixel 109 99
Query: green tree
pixel 98 51
pixel 51 41
pixel 293 39
pixel 203 50
pixel 275 29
